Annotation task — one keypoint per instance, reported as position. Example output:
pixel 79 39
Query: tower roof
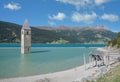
pixel 25 25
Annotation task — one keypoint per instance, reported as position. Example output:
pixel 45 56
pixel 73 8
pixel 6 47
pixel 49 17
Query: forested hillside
pixel 10 33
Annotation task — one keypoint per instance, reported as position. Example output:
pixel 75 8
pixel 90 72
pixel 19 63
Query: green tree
pixel 118 41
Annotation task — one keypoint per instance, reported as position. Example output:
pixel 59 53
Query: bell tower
pixel 25 38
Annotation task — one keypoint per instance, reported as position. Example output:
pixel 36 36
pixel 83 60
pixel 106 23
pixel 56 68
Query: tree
pixel 118 41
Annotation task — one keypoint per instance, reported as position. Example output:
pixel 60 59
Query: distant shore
pixel 52 45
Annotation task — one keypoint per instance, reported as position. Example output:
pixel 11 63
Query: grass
pixel 113 76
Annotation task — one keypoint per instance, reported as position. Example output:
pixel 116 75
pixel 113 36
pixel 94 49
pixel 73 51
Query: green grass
pixel 113 76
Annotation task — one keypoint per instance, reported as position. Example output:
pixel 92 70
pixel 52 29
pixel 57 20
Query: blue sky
pixel 62 12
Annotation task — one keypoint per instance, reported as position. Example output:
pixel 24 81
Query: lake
pixel 44 58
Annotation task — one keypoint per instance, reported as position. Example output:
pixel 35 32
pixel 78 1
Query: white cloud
pixel 12 6
pixel 52 23
pixel 77 3
pixel 99 2
pixel 86 18
pixel 59 16
pixel 110 17
pixel 84 3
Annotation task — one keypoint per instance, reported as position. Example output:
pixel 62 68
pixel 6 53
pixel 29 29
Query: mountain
pixel 10 33
pixel 115 42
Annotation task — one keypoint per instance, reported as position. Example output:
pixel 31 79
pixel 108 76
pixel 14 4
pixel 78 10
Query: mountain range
pixel 11 33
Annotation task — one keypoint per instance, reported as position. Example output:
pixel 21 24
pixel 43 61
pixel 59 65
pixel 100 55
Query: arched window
pixel 28 49
pixel 27 32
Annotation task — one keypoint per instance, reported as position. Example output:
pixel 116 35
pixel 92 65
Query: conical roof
pixel 25 25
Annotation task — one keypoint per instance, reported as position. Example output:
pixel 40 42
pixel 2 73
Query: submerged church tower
pixel 25 38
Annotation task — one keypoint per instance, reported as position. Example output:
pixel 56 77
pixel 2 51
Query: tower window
pixel 28 49
pixel 27 32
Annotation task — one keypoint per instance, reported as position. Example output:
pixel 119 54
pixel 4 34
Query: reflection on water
pixel 40 61
pixel 25 64
pixel 40 51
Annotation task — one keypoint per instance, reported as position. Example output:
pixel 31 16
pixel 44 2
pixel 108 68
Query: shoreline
pixel 61 76
pixel 42 73
pixel 75 74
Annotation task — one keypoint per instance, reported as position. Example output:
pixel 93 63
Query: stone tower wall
pixel 25 41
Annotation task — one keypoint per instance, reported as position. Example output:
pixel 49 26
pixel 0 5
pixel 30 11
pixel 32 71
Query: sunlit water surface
pixel 41 60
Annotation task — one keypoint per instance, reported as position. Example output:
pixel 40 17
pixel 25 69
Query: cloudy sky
pixel 62 12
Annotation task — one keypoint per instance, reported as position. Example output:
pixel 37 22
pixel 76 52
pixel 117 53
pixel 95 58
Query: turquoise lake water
pixel 41 60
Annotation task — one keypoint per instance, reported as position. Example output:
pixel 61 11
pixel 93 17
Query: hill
pixel 10 33
pixel 115 42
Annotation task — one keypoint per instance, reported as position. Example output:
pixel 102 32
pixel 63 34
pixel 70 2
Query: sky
pixel 57 13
